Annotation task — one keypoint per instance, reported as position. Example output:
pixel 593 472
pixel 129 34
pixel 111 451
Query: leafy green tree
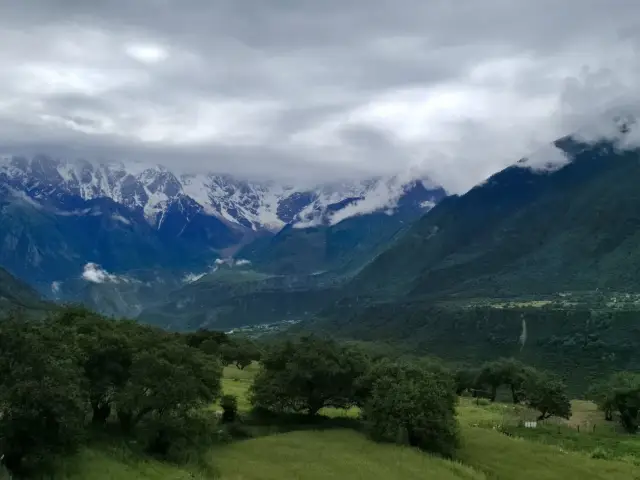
pixel 627 402
pixel 492 376
pixel 612 395
pixel 105 354
pixel 41 403
pixel 307 374
pixel 466 380
pixel 547 394
pixel 168 377
pixel 413 405
pixel 209 341
pixel 239 351
pixel 602 394
pixel 229 404
pixel 505 371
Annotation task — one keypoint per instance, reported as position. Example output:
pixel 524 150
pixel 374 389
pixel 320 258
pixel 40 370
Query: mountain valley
pixel 149 231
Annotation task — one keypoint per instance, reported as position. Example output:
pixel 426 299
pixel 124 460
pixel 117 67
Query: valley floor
pixel 555 451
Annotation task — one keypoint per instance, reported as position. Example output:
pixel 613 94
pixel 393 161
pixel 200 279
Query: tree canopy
pixel 307 374
pixel 409 403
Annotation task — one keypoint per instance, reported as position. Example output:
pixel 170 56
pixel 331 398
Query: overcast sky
pixel 454 89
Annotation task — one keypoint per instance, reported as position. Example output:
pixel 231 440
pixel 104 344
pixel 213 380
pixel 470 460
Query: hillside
pixel 15 294
pixel 524 232
pixel 311 454
pixel 553 254
pixel 290 276
pixel 235 296
pixel 343 246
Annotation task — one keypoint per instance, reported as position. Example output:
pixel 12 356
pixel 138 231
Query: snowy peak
pixel 155 191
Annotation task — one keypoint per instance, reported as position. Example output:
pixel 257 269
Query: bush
pixel 547 394
pixel 41 405
pixel 229 404
pixel 413 406
pixel 177 437
pixel 601 454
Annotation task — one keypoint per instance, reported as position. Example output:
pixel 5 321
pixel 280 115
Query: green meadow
pixel 558 450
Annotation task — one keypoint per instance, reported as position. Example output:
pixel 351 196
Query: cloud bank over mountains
pixel 312 90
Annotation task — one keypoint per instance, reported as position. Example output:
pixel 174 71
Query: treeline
pixel 617 396
pixel 580 343
pixel 75 373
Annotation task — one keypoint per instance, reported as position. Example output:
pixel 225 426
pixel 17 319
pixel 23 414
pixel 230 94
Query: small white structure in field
pixel 530 424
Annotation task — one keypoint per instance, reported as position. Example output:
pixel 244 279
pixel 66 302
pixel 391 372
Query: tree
pixel 601 394
pixel 547 394
pixel 505 371
pixel 239 351
pixel 209 341
pixel 492 376
pixel 105 354
pixel 167 378
pixel 41 404
pixel 466 380
pixel 627 402
pixel 307 374
pixel 614 394
pixel 229 404
pixel 411 404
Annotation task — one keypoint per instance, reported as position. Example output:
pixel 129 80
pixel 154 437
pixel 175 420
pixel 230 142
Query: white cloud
pixel 96 274
pixel 313 91
pixel 192 277
pixel 147 53
pixel 546 159
pixel 385 195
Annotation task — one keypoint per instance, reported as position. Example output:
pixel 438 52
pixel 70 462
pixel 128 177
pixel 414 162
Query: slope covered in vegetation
pixel 86 397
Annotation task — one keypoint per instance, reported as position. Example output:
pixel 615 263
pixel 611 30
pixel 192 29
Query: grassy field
pixel 334 454
pixel 237 382
pixel 553 451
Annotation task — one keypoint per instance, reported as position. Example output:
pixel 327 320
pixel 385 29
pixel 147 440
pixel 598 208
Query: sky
pixel 310 89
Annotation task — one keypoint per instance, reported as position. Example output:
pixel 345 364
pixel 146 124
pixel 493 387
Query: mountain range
pixel 539 261
pixel 190 251
pixel 152 229
pixel 539 229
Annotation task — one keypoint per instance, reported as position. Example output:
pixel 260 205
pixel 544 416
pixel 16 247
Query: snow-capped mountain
pixel 157 192
pixel 57 216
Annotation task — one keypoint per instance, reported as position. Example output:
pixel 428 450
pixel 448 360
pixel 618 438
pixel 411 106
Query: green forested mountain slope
pixel 15 294
pixel 523 232
pixel 553 258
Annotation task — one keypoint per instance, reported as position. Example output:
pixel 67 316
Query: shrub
pixel 601 454
pixel 547 394
pixel 177 437
pixel 229 404
pixel 41 405
pixel 414 406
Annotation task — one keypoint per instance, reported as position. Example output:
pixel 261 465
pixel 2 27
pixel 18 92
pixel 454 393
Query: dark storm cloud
pixel 305 88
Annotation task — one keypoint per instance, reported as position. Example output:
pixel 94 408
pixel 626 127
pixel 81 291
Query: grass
pixel 332 454
pixel 482 413
pixel 552 451
pixel 110 464
pixel 502 457
pixel 237 382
